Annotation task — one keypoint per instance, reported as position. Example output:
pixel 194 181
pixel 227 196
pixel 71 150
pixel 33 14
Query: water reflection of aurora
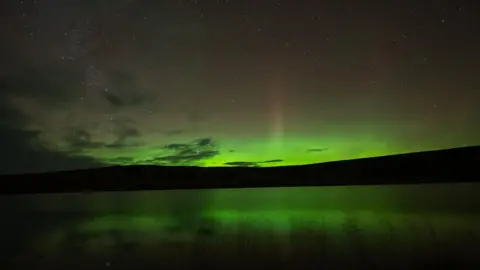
pixel 151 215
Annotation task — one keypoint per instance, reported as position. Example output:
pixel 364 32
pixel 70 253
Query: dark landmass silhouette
pixel 442 166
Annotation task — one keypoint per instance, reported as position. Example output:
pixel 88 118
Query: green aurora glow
pixel 262 153
pixel 197 84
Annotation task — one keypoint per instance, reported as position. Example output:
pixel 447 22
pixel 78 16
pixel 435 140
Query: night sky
pixel 88 83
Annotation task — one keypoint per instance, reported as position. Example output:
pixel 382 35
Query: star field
pixel 234 83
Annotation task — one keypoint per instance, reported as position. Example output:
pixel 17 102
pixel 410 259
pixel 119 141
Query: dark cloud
pixel 122 79
pixel 317 149
pixel 178 146
pixel 251 163
pixel 272 161
pixel 123 90
pixel 127 132
pixel 10 116
pixel 113 99
pixel 81 139
pixel 187 154
pixel 117 100
pixel 204 142
pixel 50 87
pixel 23 153
pixel 53 86
pixel 242 164
pixel 124 132
pixel 185 158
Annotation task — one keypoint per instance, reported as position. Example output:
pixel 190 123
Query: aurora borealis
pixel 243 83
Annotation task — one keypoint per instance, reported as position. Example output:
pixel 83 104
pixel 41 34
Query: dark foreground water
pixel 367 227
